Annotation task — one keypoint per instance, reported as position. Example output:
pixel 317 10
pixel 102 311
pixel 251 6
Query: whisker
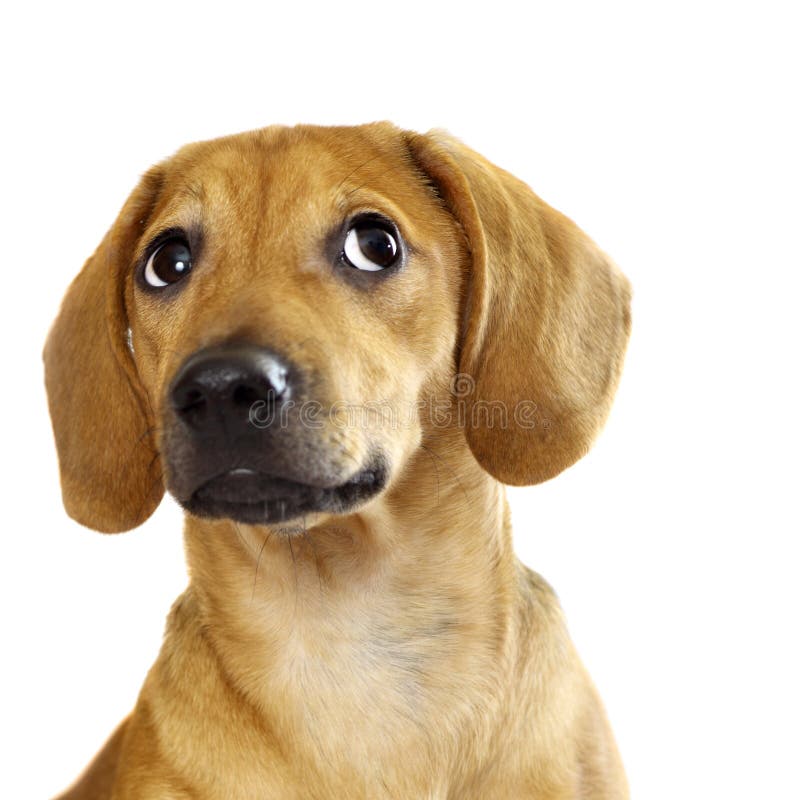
pixel 449 469
pixel 310 539
pixel 241 538
pixel 350 175
pixel 258 562
pixel 129 459
pixel 294 563
pixel 435 468
pixel 152 429
pixel 158 482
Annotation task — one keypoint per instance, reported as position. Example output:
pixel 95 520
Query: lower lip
pixel 254 498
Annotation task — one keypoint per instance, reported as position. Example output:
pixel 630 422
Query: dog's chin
pixel 256 498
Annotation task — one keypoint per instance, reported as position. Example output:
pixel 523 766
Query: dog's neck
pixel 378 616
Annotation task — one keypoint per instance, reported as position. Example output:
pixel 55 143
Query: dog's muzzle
pixel 236 446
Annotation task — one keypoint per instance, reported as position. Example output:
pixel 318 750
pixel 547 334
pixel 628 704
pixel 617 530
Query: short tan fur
pixel 400 649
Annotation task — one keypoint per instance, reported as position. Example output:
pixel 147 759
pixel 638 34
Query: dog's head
pixel 277 320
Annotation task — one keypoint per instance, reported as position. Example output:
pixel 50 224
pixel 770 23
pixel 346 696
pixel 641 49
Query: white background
pixel 668 132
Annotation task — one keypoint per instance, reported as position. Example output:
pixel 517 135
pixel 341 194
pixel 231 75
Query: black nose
pixel 222 387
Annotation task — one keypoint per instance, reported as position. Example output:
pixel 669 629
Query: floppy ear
pixel 110 475
pixel 546 319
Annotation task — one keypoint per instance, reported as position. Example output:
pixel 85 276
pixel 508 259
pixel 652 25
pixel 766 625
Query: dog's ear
pixel 110 471
pixel 546 319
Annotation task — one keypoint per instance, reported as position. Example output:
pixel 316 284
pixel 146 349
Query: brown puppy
pixel 333 345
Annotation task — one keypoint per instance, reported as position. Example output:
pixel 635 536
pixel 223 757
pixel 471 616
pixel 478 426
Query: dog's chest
pixel 338 678
pixel 343 691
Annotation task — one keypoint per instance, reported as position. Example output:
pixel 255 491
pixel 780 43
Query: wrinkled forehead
pixel 258 181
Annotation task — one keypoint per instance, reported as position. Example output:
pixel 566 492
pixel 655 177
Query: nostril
pixel 189 401
pixel 246 395
pixel 193 399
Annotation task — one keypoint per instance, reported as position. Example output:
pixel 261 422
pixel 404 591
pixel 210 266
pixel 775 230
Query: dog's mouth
pixel 256 498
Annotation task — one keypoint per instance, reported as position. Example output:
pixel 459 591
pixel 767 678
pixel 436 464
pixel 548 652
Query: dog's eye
pixel 370 247
pixel 168 264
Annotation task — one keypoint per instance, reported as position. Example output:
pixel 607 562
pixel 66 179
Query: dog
pixel 333 346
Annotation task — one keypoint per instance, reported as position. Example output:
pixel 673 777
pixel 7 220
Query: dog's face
pixel 292 296
pixel 276 321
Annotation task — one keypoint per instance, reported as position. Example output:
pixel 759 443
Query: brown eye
pixel 370 247
pixel 168 264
